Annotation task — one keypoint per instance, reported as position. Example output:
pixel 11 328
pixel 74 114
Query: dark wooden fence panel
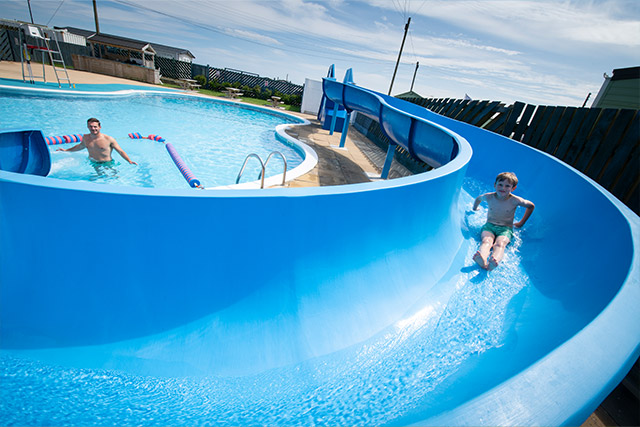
pixel 498 122
pixel 512 118
pixel 604 151
pixel 521 126
pixel 551 128
pixel 485 114
pixel 604 144
pixel 627 152
pixel 570 135
pixel 561 129
pixel 595 138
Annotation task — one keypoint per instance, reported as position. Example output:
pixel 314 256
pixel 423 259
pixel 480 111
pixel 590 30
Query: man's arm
pixel 120 151
pixel 74 148
pixel 529 206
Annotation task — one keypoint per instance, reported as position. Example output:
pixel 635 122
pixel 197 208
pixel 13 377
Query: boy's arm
pixel 477 202
pixel 529 206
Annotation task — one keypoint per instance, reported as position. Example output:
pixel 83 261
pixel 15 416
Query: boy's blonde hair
pixel 508 176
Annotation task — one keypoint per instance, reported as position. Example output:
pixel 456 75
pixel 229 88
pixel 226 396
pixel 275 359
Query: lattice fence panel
pixel 252 80
pixel 173 68
pixel 6 50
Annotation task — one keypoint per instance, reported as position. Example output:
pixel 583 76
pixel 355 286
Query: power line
pixel 54 13
pixel 287 48
pixel 420 7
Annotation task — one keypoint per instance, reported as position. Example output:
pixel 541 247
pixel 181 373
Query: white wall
pixel 311 96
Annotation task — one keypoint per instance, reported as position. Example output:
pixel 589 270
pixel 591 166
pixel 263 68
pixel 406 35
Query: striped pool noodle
pixel 156 138
pixel 64 139
pixel 193 182
pixel 135 135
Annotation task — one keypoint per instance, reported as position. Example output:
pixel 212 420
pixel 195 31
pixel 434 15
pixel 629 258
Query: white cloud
pixel 252 36
pixel 543 24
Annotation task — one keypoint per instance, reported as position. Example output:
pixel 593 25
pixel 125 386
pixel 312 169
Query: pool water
pixel 420 355
pixel 212 137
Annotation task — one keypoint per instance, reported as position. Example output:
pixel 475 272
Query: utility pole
pixel 30 14
pixel 95 15
pixel 406 29
pixel 414 76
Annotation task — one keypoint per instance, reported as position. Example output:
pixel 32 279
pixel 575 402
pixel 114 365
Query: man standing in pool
pixel 498 231
pixel 98 144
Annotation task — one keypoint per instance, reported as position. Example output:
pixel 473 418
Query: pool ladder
pixel 263 166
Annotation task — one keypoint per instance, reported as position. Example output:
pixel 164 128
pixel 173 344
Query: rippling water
pixel 213 138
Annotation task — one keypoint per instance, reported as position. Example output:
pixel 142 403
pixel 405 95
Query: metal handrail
pixel 245 164
pixel 284 173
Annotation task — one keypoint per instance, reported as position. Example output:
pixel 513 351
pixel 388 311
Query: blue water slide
pixel 24 151
pixel 333 116
pixel 425 140
pixel 370 311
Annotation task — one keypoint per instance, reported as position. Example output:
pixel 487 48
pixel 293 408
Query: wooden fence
pixel 603 143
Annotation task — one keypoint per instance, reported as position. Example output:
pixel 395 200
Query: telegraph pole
pixel 406 29
pixel 95 15
pixel 414 76
pixel 30 14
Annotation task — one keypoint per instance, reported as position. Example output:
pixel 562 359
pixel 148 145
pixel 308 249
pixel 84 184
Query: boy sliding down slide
pixel 498 231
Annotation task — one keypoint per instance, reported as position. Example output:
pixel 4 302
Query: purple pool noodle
pixel 191 179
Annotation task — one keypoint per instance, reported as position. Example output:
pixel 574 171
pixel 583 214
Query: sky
pixel 547 52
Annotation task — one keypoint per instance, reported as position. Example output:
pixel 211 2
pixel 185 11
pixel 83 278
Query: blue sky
pixel 540 52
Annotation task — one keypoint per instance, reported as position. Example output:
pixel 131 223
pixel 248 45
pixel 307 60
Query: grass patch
pixel 254 101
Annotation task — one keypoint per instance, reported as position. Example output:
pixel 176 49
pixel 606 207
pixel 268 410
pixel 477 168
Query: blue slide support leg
pixel 387 161
pixel 345 129
pixel 333 119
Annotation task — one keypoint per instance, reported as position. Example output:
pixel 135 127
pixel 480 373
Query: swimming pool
pixel 372 314
pixel 213 137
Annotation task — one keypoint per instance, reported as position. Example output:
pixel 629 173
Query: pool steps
pixel 263 166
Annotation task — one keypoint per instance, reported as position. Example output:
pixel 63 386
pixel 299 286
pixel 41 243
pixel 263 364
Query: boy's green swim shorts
pixel 498 230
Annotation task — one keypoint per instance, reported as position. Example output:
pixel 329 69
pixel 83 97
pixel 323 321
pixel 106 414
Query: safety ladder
pixel 43 45
pixel 263 166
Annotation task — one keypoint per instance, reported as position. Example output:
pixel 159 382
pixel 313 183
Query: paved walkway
pixel 13 70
